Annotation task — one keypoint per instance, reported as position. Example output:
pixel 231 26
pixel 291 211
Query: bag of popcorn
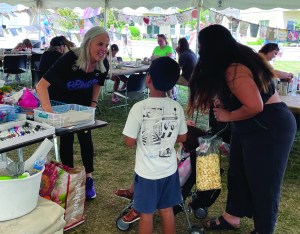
pixel 208 175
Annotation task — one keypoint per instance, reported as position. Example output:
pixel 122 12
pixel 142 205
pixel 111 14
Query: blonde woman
pixel 77 78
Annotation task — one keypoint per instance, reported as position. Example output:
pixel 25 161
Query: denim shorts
pixel 150 195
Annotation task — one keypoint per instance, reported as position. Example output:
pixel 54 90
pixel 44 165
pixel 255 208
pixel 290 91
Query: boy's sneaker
pixel 131 216
pixel 89 188
pixel 124 193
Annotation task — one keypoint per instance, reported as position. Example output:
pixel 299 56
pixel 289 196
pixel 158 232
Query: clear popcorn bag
pixel 208 176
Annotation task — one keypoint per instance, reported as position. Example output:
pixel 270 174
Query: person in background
pixel 126 34
pixel 114 50
pixel 19 47
pixel 112 34
pixel 77 78
pixel 68 44
pixel 164 49
pixel 156 180
pixel 187 61
pixel 240 83
pixel 269 52
pixel 27 44
pixel 22 46
pixel 53 53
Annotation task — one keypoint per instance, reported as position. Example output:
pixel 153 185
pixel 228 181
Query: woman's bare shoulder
pixel 237 70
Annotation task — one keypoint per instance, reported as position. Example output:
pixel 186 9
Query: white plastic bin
pixel 18 197
pixel 65 115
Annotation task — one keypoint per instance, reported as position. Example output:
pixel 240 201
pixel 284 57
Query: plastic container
pixel 66 115
pixel 18 197
pixel 7 113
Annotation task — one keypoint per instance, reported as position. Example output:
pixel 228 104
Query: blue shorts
pixel 150 195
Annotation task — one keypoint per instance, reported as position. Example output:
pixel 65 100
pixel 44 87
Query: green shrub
pixel 135 33
pixel 257 42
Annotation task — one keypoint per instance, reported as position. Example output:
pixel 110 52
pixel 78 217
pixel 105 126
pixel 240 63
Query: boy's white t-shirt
pixel 155 123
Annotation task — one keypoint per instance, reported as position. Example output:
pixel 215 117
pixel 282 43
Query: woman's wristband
pixel 94 101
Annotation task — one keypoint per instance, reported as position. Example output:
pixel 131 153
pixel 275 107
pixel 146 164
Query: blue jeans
pixel 259 152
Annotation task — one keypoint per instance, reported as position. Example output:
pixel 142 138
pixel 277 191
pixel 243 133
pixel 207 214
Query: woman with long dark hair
pixel 239 82
pixel 187 60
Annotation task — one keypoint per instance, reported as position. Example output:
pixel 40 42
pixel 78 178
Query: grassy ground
pixel 114 164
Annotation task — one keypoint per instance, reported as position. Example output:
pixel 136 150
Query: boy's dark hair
pixel 164 73
pixel 114 47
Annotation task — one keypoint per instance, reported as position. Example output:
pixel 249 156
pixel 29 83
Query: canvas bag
pixel 66 187
pixel 208 176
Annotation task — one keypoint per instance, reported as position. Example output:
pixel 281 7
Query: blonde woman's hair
pixel 83 52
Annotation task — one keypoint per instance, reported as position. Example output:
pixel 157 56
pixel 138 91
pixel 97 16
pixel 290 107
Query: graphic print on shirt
pixel 79 83
pixel 158 130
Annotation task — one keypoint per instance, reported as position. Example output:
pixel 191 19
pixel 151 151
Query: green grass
pixel 287 66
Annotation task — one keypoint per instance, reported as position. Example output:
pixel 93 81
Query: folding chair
pixel 136 89
pixel 15 64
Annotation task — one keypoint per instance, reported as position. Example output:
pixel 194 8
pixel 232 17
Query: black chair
pixel 15 64
pixel 136 89
pixel 36 74
pixel 34 58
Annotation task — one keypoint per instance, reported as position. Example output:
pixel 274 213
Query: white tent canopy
pixel 183 4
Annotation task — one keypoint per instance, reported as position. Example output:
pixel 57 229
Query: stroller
pixel 201 200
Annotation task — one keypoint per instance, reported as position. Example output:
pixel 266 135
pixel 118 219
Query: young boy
pixel 154 125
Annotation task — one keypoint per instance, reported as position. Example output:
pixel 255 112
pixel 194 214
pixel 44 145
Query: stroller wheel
pixel 201 213
pixel 121 225
pixel 196 230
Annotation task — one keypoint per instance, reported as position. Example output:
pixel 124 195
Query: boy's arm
pixel 130 142
pixel 181 138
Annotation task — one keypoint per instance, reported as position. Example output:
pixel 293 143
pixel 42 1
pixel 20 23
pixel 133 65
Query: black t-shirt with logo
pixel 69 84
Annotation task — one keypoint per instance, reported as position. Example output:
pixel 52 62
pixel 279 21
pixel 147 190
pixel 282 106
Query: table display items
pixel 17 132
pixel 7 113
pixel 208 176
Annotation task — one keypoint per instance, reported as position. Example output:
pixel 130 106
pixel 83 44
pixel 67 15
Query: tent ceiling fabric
pixel 182 4
pixel 52 4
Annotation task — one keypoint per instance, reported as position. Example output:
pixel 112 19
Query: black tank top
pixel 234 103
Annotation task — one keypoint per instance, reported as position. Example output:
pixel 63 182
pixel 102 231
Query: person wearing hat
pixel 54 52
pixel 154 125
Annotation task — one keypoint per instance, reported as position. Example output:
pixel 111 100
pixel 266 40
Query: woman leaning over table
pixel 163 49
pixel 263 128
pixel 77 78
pixel 269 52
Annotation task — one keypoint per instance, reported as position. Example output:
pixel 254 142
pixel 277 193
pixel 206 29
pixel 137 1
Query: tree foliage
pixel 297 25
pixel 69 21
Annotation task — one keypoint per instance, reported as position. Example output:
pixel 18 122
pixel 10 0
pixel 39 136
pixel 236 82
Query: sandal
pixel 223 224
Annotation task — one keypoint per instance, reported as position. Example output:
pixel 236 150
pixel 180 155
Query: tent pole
pixel 199 10
pixel 105 14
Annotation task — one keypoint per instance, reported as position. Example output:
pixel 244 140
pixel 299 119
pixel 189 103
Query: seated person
pixel 19 47
pixel 27 44
pixel 53 53
pixel 114 50
pixel 187 60
pixel 164 49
